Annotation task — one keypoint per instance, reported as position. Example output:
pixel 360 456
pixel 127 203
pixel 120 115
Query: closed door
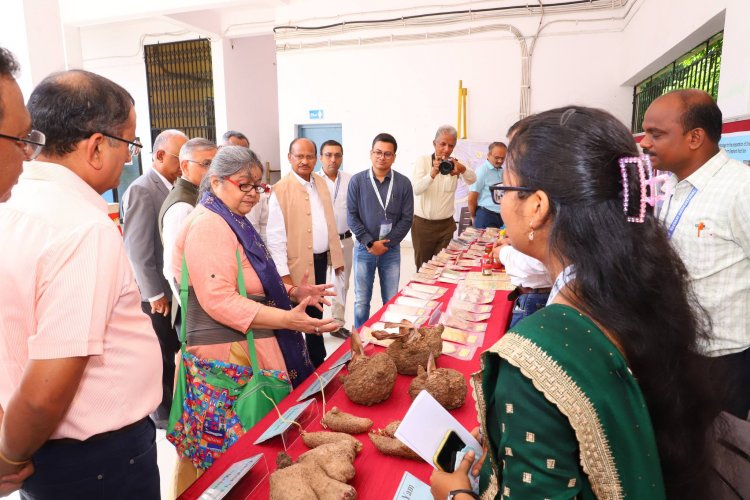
pixel 320 134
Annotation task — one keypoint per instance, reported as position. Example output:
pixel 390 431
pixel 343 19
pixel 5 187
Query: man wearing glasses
pixel 381 206
pixel 18 143
pixel 140 230
pixel 302 236
pixel 82 367
pixel 195 159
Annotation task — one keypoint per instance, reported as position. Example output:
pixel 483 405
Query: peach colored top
pixel 68 291
pixel 210 247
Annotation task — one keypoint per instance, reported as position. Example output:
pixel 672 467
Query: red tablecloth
pixel 377 475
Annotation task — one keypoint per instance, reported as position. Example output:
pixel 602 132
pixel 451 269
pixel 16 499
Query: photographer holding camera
pixel 435 179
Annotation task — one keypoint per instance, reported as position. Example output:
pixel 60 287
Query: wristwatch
pixel 369 244
pixel 453 493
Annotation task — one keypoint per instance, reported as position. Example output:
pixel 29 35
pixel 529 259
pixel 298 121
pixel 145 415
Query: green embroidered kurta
pixel 563 414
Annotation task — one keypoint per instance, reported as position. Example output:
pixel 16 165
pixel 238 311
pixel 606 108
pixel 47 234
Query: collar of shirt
pixel 700 178
pixel 310 183
pixel 59 174
pixel 325 176
pixel 387 176
pixel 489 166
pixel 164 180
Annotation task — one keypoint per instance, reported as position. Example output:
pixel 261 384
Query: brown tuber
pixel 321 473
pixel 320 438
pixel 387 444
pixel 370 379
pixel 412 346
pixel 447 386
pixel 339 421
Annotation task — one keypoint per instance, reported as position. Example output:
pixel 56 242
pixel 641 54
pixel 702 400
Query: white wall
pixel 663 30
pixel 409 89
pixel 251 93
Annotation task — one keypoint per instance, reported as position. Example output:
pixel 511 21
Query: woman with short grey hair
pixel 213 239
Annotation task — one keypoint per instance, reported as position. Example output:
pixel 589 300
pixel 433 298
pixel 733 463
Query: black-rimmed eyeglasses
pixel 498 190
pixel 134 147
pixel 31 144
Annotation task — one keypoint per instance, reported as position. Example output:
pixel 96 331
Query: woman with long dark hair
pixel 603 393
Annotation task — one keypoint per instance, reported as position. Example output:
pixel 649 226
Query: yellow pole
pixel 463 107
pixel 460 102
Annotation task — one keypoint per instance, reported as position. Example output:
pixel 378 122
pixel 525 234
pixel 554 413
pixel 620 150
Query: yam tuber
pixel 320 438
pixel 447 386
pixel 370 379
pixel 412 346
pixel 387 444
pixel 339 421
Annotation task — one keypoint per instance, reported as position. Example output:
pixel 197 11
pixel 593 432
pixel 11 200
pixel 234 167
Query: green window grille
pixel 698 69
pixel 181 88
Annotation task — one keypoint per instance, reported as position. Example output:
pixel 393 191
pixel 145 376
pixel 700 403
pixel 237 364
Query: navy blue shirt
pixel 365 212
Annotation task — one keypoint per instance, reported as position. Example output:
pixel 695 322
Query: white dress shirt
pixel 174 217
pixel 258 216
pixel 435 198
pixel 276 230
pixel 713 239
pixel 338 197
pixel 524 270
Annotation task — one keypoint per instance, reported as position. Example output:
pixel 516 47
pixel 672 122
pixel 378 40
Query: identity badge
pixel 385 227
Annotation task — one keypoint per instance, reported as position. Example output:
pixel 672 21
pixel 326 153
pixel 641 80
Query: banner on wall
pixel 735 139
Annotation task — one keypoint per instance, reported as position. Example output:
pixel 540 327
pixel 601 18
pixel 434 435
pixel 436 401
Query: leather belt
pixel 525 290
pixel 343 236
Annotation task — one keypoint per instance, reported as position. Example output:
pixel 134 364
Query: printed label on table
pixel 231 476
pixel 325 378
pixel 343 359
pixel 412 488
pixel 282 424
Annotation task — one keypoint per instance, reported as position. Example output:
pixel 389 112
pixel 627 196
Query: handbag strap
pixel 183 310
pixel 249 334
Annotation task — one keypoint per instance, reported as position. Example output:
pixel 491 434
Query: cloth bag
pixel 215 402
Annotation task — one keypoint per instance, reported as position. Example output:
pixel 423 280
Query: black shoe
pixel 342 333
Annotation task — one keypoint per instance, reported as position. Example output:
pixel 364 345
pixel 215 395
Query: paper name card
pixel 230 478
pixel 437 290
pixel 425 425
pixel 284 422
pixel 412 488
pixel 415 302
pixel 320 383
pixel 343 359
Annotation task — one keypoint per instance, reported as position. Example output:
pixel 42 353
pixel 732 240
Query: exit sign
pixel 316 114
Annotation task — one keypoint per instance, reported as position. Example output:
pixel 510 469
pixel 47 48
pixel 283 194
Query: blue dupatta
pixel 292 343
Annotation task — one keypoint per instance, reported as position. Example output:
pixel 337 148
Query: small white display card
pixel 231 476
pixel 279 426
pixel 325 378
pixel 412 488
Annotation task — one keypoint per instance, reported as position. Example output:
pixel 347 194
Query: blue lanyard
pixel 677 217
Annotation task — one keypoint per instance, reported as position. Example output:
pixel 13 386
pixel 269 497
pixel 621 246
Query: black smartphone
pixel 445 456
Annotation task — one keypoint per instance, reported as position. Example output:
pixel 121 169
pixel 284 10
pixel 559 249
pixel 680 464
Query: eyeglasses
pixel 134 147
pixel 498 190
pixel 383 154
pixel 304 157
pixel 333 155
pixel 31 144
pixel 204 163
pixel 247 188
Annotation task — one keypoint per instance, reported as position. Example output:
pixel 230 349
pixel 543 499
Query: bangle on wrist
pixel 452 494
pixel 291 290
pixel 12 462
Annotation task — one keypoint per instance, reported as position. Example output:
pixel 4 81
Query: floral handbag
pixel 215 402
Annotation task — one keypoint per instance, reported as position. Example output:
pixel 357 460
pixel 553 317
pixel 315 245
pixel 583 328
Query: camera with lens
pixel 446 166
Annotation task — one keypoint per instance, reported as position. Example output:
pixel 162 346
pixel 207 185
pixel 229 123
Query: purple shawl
pixel 292 343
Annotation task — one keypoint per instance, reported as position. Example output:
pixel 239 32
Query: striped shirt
pixel 713 239
pixel 68 291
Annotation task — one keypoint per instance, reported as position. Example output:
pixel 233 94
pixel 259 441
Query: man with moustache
pixel 302 236
pixel 484 211
pixel 435 196
pixel 19 142
pixel 332 156
pixel 140 208
pixel 707 219
pixel 82 367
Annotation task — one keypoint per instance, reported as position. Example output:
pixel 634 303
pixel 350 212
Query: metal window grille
pixel 698 69
pixel 181 88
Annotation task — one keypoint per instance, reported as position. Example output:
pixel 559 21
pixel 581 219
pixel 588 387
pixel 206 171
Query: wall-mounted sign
pixel 316 114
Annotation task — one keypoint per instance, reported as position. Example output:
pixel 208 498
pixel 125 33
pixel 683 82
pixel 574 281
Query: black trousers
pixel 315 345
pixel 735 369
pixel 116 465
pixel 169 344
